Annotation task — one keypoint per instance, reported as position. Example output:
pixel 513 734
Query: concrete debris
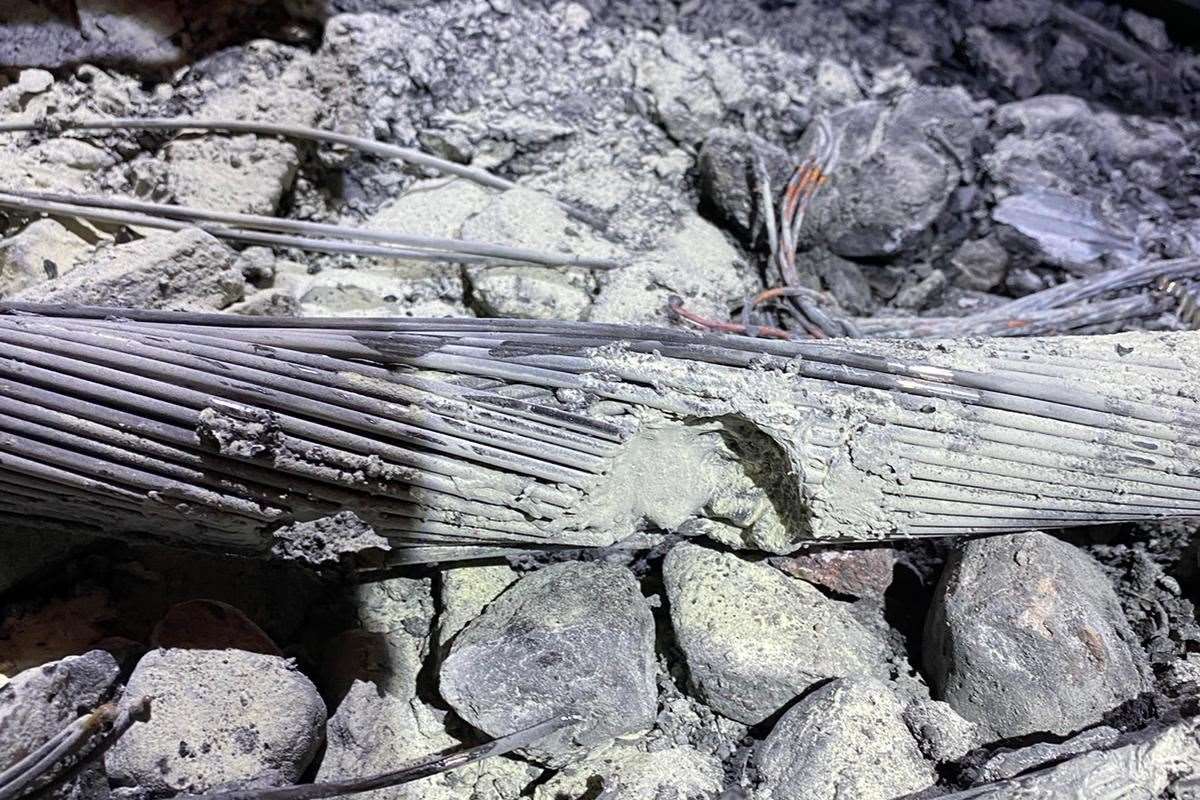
pixel 635 775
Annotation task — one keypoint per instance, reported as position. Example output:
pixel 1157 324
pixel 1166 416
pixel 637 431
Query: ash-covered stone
pixel 941 733
pixel 679 90
pixel 632 774
pixel 1026 635
pixel 374 732
pixel 39 702
pixel 218 717
pixel 694 262
pixel 41 251
pixel 570 638
pixel 754 638
pixel 845 739
pixel 465 592
pixel 328 541
pixel 186 270
pixel 524 218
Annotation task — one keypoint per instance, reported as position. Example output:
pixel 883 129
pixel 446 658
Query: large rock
pixel 187 270
pixel 39 702
pixel 897 167
pixel 374 732
pixel 569 638
pixel 1026 635
pixel 754 638
pixel 846 739
pixel 628 774
pixel 218 716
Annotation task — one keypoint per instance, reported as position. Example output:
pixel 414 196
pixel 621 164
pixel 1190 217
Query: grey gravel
pixel 569 638
pixel 980 264
pixel 755 638
pixel 1026 635
pixel 845 739
pixel 924 293
pixel 465 593
pixel 218 717
pixel 39 702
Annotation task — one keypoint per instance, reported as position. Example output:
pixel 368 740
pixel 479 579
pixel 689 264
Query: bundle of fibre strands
pixel 445 439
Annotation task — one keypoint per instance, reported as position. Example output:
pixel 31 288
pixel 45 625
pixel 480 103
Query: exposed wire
pixel 413 771
pixel 408 155
pixel 240 227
